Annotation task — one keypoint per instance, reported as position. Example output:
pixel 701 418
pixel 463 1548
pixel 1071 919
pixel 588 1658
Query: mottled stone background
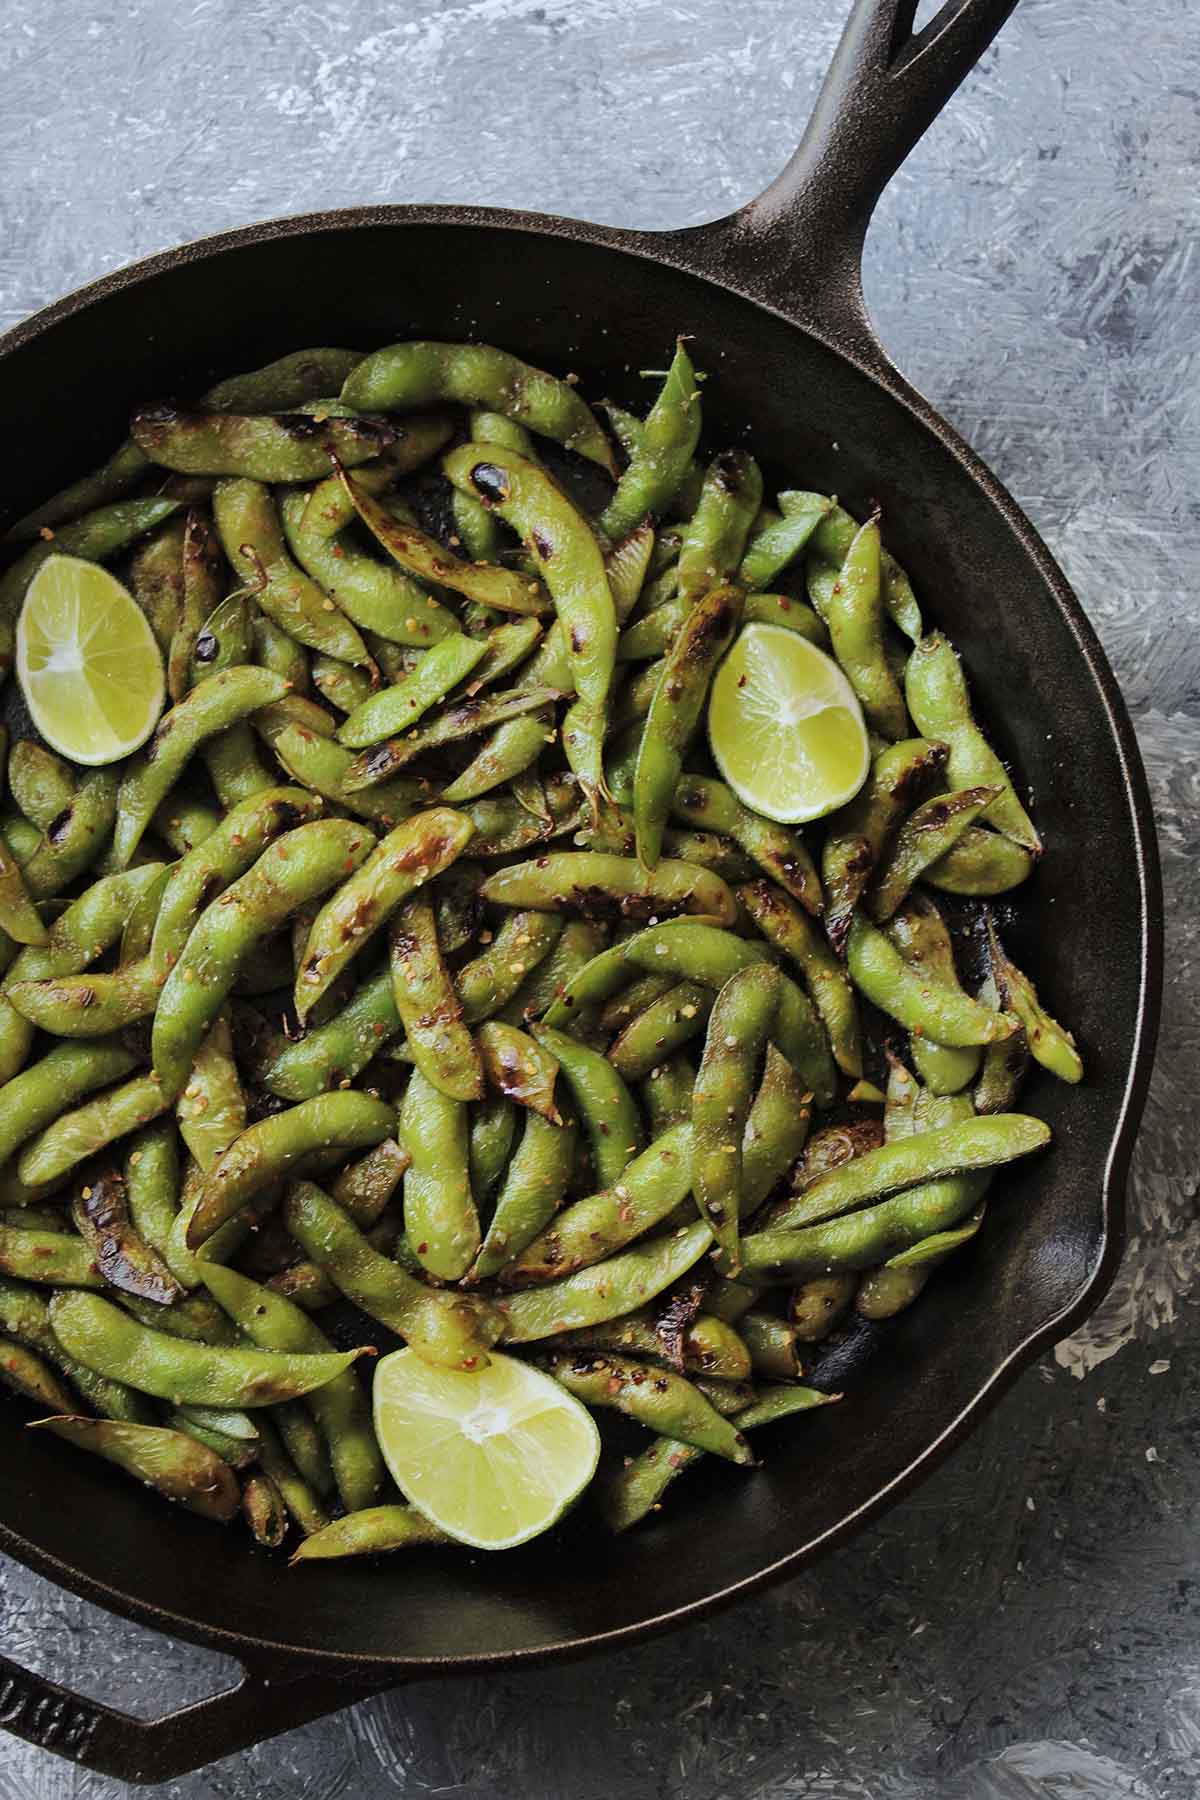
pixel 1026 1626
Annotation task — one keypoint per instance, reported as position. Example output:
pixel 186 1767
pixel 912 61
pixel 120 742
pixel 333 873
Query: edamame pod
pixel 779 851
pixel 919 933
pixel 1050 1043
pixel 212 1107
pixel 39 1095
pixel 659 1398
pixel 605 1291
pixel 100 1210
pixel 982 863
pixel 592 883
pixel 605 1104
pixel 715 537
pixel 778 542
pixel 86 1130
pixel 534 1185
pixel 440 1218
pixel 853 613
pixel 261 446
pixel 859 833
pixel 737 1034
pixel 173 1464
pixel 428 1006
pixel 488 982
pixel 369 1533
pixel 947 1016
pixel 924 836
pixel 394 709
pixel 790 930
pixel 252 538
pixel 519 1067
pixel 662 453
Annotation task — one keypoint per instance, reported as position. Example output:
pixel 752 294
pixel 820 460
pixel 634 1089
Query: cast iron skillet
pixel 772 296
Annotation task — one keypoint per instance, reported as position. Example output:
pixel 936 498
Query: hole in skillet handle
pixel 148 1751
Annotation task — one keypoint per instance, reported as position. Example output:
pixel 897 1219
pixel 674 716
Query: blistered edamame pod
pixel 212 1107
pixel 314 760
pixel 870 1235
pixel 173 1464
pixel 927 1157
pixel 339 1408
pixel 625 1006
pixel 654 633
pixel 100 1212
pixel 854 615
pixel 919 933
pixel 211 707
pixel 36 1097
pixel 543 986
pixel 156 580
pixel 261 446
pixel 1004 1064
pixel 626 565
pixel 982 863
pixel 779 851
pixel 51 1258
pixel 772 1344
pixel 936 691
pixel 830 544
pixel 488 982
pixel 777 542
pixel 409 856
pixel 252 538
pixel 925 835
pixel 264 1510
pixel 269 1149
pixel 18 915
pixel 660 460
pixel 666 1402
pixel 464 719
pixel 378 597
pixel 75 839
pixel 783 924
pixel 503 825
pixel 201 569
pixel 428 1006
pixel 604 1103
pixel 589 882
pixel 86 1130
pixel 422 373
pixel 106 1339
pixel 1050 1043
pixel 440 1218
pixel 606 1290
pixel 184 820
pixel 302 1501
pixel 335 1053
pixel 737 1034
pixel 518 742
pixel 675 712
pixel 365 1186
pixel 701 1346
pixel 395 709
pixel 668 1023
pixel 450 1329
pixel 859 833
pixel 534 1184
pixel 519 1067
pixel 591 1229
pixel 294 869
pixel 716 535
pixel 947 1016
pixel 692 951
pixel 492 1129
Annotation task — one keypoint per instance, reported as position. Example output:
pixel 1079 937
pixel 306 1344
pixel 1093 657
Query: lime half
pixel 786 729
pixel 494 1457
pixel 87 662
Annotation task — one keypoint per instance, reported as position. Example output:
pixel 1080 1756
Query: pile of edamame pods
pixel 420 961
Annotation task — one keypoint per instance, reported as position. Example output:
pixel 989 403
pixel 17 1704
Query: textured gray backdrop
pixel 1026 1626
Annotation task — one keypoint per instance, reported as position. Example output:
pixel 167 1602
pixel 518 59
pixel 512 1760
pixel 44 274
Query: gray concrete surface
pixel 1034 269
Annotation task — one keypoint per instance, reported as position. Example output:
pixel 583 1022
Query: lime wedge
pixel 786 730
pixel 87 662
pixel 493 1457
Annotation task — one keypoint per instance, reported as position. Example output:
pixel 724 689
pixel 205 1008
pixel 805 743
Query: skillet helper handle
pixel 139 1751
pixel 802 239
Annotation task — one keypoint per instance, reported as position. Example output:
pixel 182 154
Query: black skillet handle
pixel 798 246
pixel 152 1750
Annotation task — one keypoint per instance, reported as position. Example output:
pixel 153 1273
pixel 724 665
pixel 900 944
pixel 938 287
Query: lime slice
pixel 786 729
pixel 87 662
pixel 493 1457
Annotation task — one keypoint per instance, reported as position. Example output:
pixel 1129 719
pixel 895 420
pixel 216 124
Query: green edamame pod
pixel 924 836
pixel 406 377
pixel 274 649
pixel 335 1053
pixel 365 1186
pixel 466 718
pixel 408 857
pixel 786 610
pixel 589 882
pixel 590 1230
pixel 947 1016
pixel 264 1510
pixel 174 1465
pixel 489 981
pixel 183 820
pixel 137 934
pixel 675 712
pixel 666 1094
pixel 1050 1043
pixel 703 1346
pixel 533 1188
pixel 565 550
pixel 606 1290
pixel 261 446
pixel 783 924
pixel 492 1130
pixel 484 583
pixel 450 1329
pixel 52 1258
pixel 394 709
pixel 41 783
pixel 738 1026
pixel 428 1006
pixel 339 1408
pixel 604 1103
pixel 779 851
pixel 936 691
pixel 830 545
pixel 104 1338
pixel 963 1147
pixel 663 453
pixel 885 1291
pixel 378 597
pixel 772 1344
pixel 853 613
pixel 919 933
pixel 820 1304
pixel 25 1317
pixel 871 1235
pixel 544 984
pixel 859 833
pixel 201 568
pixel 211 1109
pixel 86 1130
pixel 776 1130
pixel 252 539
pixel 292 870
pixel 715 538
pixel 268 1150
pixel 314 760
pixel 369 1533
pixel 666 1402
pixel 668 1023
pixel 519 1067
pixel 504 825
pixel 440 1218
pixel 152 1182
pixel 75 839
pixel 28 1376
pixel 341 684
pixel 39 1095
pixel 301 1500
pixel 780 540
pixel 18 916
pixel 211 707
pixel 982 863
pixel 625 1006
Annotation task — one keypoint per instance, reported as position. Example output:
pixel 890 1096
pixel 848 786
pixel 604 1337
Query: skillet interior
pixel 568 302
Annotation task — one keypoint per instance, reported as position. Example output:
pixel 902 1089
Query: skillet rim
pixel 702 252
